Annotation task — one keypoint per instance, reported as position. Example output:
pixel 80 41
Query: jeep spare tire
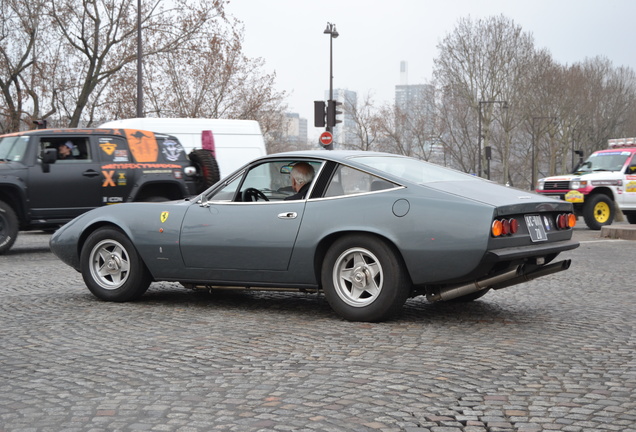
pixel 207 169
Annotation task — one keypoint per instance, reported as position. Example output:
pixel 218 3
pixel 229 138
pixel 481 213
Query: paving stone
pixel 556 353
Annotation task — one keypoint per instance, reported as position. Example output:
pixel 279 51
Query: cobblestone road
pixel 553 354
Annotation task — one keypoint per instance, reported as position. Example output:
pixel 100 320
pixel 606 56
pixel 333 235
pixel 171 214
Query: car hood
pixel 564 177
pixel 494 194
pixel 9 165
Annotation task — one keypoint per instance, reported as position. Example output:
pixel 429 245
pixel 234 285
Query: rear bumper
pixel 539 249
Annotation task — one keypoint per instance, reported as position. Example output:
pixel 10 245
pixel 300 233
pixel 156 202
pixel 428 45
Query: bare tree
pixel 479 63
pixel 99 40
pixel 19 32
pixel 365 124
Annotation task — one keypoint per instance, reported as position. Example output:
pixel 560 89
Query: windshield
pixel 413 170
pixel 13 148
pixel 607 161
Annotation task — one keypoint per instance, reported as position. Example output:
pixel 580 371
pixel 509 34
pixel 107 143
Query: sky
pixel 376 35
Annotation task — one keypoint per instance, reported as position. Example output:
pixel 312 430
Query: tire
pixel 207 168
pixel 364 279
pixel 631 217
pixel 598 211
pixel 112 268
pixel 9 227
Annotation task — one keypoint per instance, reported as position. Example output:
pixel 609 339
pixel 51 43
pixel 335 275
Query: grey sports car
pixel 369 230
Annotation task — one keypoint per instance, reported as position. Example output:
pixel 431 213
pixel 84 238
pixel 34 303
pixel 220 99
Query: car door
pixel 70 187
pixel 224 232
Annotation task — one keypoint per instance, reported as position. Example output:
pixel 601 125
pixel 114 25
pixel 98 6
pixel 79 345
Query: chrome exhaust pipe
pixel 541 271
pixel 503 280
pixel 451 292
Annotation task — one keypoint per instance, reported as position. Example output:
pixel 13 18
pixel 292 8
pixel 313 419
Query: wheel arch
pixel 81 241
pixel 326 242
pixel 14 198
pixel 603 190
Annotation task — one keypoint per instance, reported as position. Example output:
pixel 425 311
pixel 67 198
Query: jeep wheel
pixel 207 168
pixel 8 227
pixel 598 211
pixel 111 267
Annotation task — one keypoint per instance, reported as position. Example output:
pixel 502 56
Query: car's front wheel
pixel 112 268
pixel 364 279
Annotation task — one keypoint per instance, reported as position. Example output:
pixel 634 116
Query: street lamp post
pixel 333 33
pixel 140 89
pixel 479 159
pixel 533 176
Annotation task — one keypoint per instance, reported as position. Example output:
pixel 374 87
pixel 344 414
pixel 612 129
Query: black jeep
pixel 50 176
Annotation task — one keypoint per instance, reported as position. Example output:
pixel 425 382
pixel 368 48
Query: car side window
pixel 113 149
pixel 227 192
pixel 69 149
pixel 270 181
pixel 631 169
pixel 350 181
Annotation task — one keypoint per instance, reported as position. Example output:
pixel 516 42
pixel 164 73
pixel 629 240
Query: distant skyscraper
pixel 296 130
pixel 404 73
pixel 415 97
pixel 416 105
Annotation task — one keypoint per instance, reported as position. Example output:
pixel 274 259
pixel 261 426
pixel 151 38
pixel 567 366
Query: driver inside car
pixel 302 175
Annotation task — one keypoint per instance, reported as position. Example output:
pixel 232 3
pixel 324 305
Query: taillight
pixel 566 220
pixel 514 226
pixel 571 220
pixel 503 227
pixel 497 228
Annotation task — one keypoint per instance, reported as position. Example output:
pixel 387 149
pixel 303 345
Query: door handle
pixel 90 173
pixel 287 215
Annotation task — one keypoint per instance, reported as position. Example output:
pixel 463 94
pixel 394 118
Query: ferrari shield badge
pixel 164 216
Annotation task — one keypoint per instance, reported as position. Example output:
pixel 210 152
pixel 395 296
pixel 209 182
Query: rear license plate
pixel 535 228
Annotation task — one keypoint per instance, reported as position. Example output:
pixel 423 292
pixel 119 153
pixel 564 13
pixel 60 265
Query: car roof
pixel 61 131
pixel 333 155
pixel 617 150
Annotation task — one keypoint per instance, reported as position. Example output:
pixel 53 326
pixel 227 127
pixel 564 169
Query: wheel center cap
pixel 114 264
pixel 360 277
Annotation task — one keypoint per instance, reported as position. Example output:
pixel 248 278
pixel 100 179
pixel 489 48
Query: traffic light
pixel 332 112
pixel 319 113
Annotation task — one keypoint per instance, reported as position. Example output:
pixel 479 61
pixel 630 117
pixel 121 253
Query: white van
pixel 236 142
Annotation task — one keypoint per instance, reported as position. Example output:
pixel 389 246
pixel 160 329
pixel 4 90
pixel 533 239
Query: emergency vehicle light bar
pixel 621 142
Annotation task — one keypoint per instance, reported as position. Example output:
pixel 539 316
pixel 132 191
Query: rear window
pixel 413 170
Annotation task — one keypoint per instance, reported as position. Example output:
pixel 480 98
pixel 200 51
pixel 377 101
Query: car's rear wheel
pixel 598 211
pixel 112 268
pixel 364 279
pixel 8 227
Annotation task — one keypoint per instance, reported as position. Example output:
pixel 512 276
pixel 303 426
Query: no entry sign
pixel 326 138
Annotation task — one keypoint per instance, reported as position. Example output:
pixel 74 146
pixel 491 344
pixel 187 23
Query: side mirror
pixel 48 156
